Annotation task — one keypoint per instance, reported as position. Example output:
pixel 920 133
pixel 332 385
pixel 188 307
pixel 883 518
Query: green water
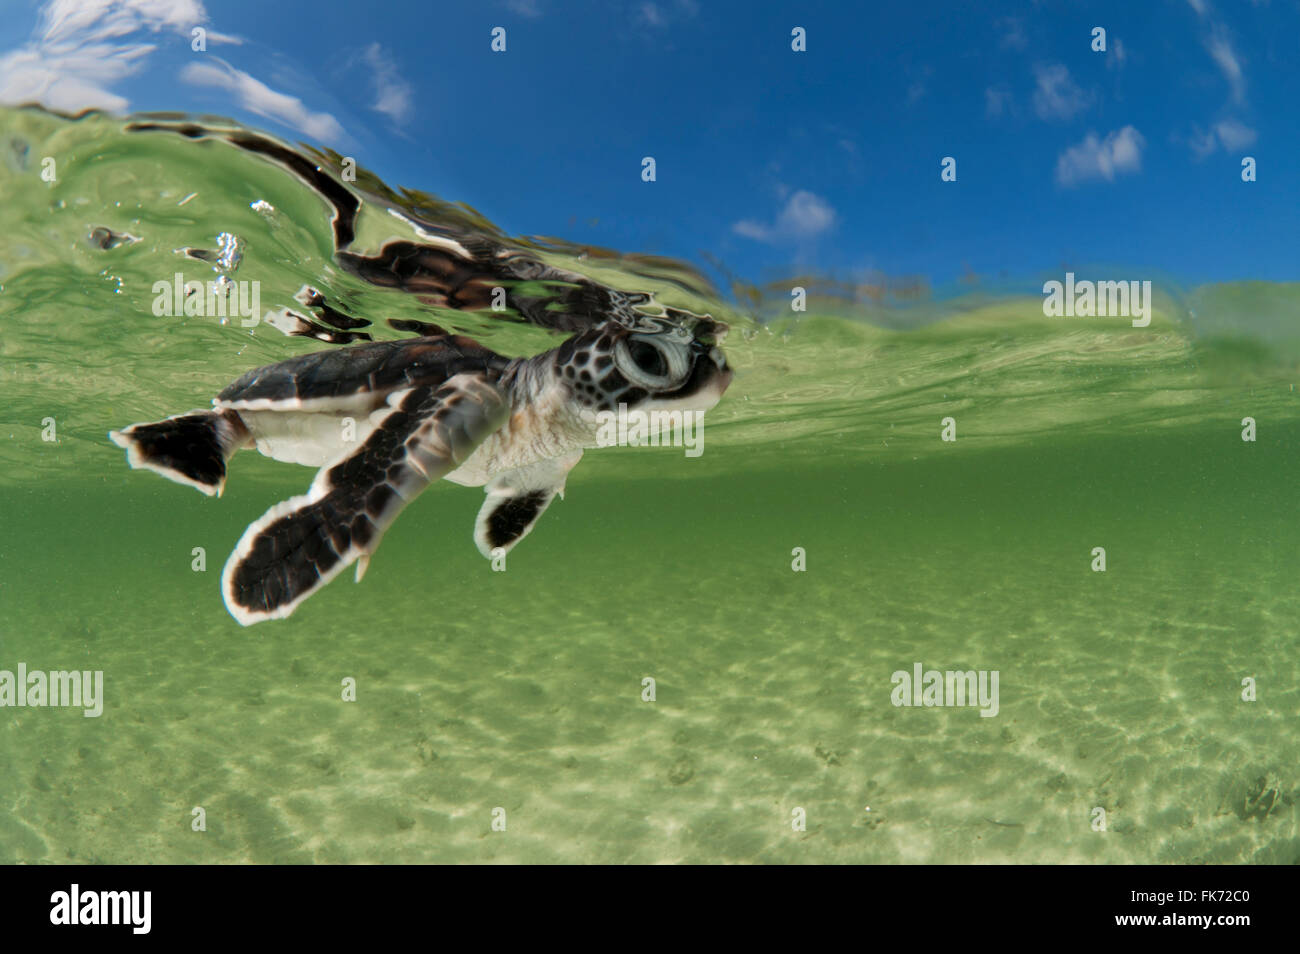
pixel 523 691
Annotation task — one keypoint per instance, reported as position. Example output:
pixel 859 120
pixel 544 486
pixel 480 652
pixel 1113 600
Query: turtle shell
pixel 358 375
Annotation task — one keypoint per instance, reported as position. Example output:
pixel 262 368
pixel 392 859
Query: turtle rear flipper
pixel 516 499
pixel 190 449
pixel 301 544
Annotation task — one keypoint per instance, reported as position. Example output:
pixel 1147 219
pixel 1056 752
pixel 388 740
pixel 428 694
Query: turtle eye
pixel 648 358
pixel 652 362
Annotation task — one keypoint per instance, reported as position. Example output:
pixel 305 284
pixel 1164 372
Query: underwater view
pixel 981 548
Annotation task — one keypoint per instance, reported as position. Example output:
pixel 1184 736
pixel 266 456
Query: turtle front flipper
pixel 301 544
pixel 516 498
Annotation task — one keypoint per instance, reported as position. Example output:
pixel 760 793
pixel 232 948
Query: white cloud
pixel 659 15
pixel 68 82
pixel 1224 57
pixel 392 93
pixel 1013 33
pixel 84 22
pixel 1057 96
pixel 1120 152
pixel 82 48
pixel 651 15
pixel 525 8
pixel 1234 134
pixel 1231 134
pixel 1220 49
pixel 1117 55
pixel 1203 142
pixel 804 216
pixel 997 99
pixel 750 229
pixel 79 21
pixel 78 50
pixel 255 96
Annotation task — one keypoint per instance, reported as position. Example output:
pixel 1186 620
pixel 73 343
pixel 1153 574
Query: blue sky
pixel 768 159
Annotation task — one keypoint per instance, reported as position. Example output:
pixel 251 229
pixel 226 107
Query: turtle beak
pixel 711 332
pixel 718 332
pixel 705 346
pixel 722 374
pixel 720 359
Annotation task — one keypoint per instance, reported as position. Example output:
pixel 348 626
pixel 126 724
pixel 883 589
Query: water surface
pixel 522 690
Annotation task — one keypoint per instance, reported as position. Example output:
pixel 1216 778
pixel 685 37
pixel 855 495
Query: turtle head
pixel 656 364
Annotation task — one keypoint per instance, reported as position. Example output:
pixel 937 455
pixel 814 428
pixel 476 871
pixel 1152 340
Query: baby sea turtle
pixel 384 420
